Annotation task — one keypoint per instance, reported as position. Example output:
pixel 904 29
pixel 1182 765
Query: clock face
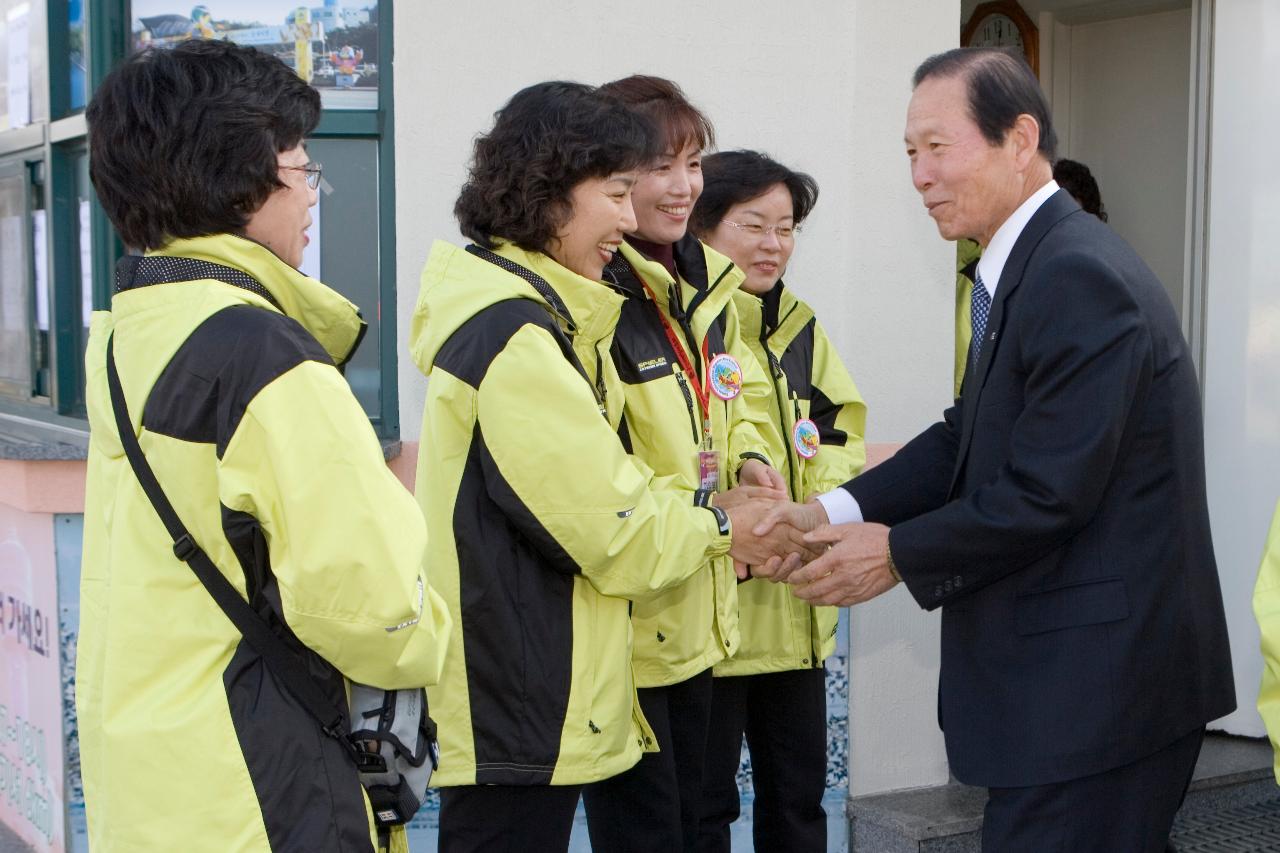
pixel 996 30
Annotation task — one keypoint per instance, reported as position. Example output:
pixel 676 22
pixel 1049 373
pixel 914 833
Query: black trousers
pixel 1129 808
pixel 784 718
pixel 654 805
pixel 507 818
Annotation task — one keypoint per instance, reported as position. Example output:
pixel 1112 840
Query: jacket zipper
pixel 688 401
pixel 775 367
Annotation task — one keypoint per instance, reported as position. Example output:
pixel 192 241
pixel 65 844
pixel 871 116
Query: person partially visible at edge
pixel 1266 609
pixel 1075 177
pixel 688 377
pixel 967 254
pixel 544 528
pixel 751 210
pixel 1057 514
pixel 230 361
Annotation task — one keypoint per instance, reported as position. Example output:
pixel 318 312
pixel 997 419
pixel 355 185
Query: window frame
pixel 57 142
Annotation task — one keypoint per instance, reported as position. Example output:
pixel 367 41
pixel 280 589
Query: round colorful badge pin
pixel 806 438
pixel 725 376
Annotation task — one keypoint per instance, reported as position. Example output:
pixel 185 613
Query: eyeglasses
pixel 312 171
pixel 784 232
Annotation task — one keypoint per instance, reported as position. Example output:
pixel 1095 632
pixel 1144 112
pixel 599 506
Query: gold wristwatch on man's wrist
pixel 893 567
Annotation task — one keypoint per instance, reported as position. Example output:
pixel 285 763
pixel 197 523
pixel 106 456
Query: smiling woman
pixel 677 342
pixel 544 528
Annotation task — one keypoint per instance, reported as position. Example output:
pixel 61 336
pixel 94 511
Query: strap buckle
pixel 185 548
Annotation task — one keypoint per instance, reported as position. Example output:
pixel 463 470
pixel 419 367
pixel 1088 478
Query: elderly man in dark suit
pixel 1057 513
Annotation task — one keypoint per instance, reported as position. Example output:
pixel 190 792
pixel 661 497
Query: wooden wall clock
pixel 1003 23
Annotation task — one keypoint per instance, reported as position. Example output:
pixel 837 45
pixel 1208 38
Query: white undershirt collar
pixel 991 264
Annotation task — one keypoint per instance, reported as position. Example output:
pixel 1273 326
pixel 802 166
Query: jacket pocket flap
pixel 1088 603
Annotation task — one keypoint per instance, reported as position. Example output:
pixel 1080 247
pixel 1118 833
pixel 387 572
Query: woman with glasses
pixel 543 528
pixel 228 363
pixel 773 689
pixel 688 379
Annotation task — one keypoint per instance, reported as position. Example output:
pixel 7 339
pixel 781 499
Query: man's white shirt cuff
pixel 841 506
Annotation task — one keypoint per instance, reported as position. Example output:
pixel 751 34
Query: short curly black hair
pixel 184 142
pixel 549 138
pixel 1075 177
pixel 732 177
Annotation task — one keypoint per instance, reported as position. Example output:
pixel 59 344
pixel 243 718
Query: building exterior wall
pixel 821 87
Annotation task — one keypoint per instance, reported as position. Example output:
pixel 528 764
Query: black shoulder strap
pixel 283 662
pixel 547 292
pixel 134 271
pixel 540 284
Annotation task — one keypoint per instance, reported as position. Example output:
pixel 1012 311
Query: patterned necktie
pixel 979 308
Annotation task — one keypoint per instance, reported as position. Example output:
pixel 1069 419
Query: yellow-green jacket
pixel 542 526
pixel 186 740
pixel 967 254
pixel 779 631
pixel 688 629
pixel 1266 608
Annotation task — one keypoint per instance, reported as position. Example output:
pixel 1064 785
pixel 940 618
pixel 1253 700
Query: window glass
pixel 344 254
pixel 84 240
pixel 24 63
pixel 333 44
pixel 15 283
pixel 78 55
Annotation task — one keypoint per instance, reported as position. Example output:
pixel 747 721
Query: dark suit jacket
pixel 1058 517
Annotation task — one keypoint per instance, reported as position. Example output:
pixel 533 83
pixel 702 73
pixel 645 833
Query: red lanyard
pixel 686 364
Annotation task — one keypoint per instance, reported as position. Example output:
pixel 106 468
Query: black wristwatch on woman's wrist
pixel 722 519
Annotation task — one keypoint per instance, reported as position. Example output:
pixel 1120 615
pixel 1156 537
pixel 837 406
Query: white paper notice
pixel 86 264
pixel 311 254
pixel 41 258
pixel 19 80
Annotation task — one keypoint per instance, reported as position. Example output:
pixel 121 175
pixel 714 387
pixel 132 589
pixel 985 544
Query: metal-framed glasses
pixel 752 229
pixel 311 170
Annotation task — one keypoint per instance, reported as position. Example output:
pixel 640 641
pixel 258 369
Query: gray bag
pixel 395 743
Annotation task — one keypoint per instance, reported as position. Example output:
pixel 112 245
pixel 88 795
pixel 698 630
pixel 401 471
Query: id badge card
pixel 709 470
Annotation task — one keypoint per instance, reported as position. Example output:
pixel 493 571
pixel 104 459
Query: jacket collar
pixel 593 307
pixel 707 282
pixel 774 318
pixel 328 315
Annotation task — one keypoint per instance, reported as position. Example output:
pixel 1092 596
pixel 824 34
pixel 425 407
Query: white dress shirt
pixel 841 506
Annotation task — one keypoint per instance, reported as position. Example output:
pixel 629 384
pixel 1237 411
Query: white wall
pixel 1120 105
pixel 1242 362
pixel 820 88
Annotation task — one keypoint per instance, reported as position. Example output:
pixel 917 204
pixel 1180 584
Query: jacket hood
pixel 328 315
pixel 457 285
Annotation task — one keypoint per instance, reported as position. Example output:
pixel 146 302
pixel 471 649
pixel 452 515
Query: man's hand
pixel 796 520
pixel 755 473
pixel 754 543
pixel 854 569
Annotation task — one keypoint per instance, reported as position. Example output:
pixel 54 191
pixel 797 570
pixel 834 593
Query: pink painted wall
pixel 31 760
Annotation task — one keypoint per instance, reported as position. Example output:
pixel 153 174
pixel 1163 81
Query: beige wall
pixel 820 87
pixel 1120 103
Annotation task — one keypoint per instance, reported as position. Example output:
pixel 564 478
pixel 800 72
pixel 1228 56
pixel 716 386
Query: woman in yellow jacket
pixel 773 689
pixel 687 377
pixel 543 528
pixel 1266 608
pixel 229 361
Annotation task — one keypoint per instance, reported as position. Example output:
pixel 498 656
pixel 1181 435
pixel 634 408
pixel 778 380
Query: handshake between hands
pixel 773 538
